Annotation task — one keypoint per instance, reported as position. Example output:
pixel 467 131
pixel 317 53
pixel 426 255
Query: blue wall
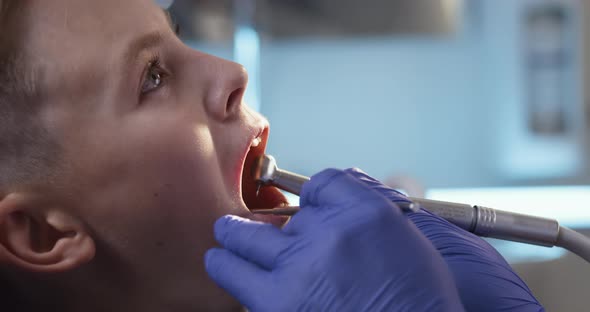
pixel 387 106
pixel 448 111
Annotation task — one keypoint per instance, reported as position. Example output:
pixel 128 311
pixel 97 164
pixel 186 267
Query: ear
pixel 39 237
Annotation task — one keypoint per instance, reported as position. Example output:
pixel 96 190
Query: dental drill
pixel 479 220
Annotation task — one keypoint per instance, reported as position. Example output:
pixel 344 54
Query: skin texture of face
pixel 145 173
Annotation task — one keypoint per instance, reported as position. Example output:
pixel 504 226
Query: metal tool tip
pixel 264 169
pixel 281 211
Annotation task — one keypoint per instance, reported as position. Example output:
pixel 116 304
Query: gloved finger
pixel 449 239
pixel 307 218
pixel 255 241
pixel 336 188
pixel 245 281
pixel 482 275
pixel 394 195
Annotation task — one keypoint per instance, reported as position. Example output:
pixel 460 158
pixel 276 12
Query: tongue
pixel 269 197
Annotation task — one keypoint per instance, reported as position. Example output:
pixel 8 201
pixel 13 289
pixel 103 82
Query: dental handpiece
pixel 482 221
pixel 266 172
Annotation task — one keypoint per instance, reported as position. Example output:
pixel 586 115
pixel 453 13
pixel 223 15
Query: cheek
pixel 161 193
pixel 157 212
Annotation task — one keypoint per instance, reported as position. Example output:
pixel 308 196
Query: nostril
pixel 234 100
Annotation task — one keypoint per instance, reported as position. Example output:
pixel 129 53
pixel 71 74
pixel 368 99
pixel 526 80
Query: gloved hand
pixel 348 249
pixel 485 281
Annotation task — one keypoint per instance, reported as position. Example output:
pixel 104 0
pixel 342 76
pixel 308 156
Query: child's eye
pixel 153 77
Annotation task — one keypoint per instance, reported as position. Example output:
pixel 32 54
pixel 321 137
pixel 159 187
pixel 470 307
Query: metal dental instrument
pixel 281 211
pixel 266 172
pixel 482 221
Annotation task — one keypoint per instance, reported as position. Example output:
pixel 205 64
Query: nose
pixel 229 81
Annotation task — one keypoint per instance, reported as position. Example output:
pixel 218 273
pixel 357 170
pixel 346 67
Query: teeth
pixel 256 142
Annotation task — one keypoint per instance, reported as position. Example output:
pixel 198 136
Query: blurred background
pixel 475 101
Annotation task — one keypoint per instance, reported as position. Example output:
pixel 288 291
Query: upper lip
pixel 249 153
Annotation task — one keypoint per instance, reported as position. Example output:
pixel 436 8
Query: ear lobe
pixel 41 238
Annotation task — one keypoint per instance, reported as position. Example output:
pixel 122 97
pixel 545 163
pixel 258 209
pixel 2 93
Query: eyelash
pixel 153 65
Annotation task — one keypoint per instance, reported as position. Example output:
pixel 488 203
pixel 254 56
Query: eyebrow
pixel 147 41
pixel 141 44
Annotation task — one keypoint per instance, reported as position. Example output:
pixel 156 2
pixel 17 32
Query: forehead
pixel 86 17
pixel 69 38
pixel 90 20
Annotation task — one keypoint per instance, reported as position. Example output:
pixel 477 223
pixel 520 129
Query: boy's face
pixel 155 137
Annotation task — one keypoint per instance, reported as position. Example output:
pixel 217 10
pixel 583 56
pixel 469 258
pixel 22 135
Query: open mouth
pixel 269 196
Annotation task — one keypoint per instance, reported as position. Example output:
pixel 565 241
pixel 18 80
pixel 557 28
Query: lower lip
pixel 274 220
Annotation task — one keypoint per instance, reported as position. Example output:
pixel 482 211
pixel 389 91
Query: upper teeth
pixel 256 142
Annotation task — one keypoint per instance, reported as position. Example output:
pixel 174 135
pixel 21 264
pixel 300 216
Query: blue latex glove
pixel 485 281
pixel 348 249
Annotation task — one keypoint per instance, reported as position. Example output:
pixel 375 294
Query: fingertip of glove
pixel 210 257
pixel 310 189
pixel 327 174
pixel 360 174
pixel 223 224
